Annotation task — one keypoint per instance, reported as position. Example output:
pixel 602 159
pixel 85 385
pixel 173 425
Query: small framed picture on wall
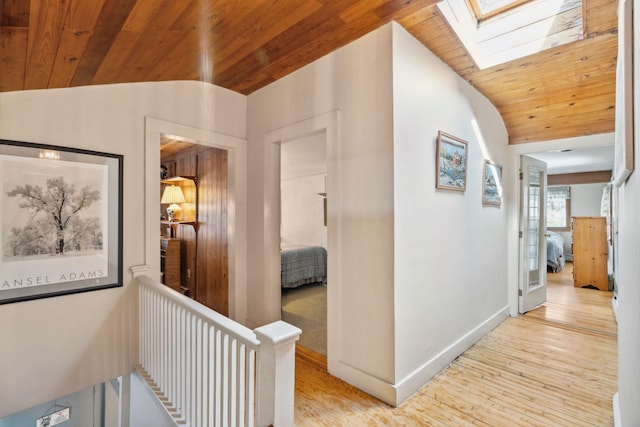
pixel 451 163
pixel 492 184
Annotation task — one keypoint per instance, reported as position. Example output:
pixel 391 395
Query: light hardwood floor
pixel 554 366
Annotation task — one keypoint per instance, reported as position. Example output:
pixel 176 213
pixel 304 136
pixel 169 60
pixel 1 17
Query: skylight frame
pixel 481 15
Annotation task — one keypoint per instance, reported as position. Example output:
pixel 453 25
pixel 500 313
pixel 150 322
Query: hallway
pixel 554 366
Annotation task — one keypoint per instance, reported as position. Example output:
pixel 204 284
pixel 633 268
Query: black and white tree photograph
pixel 54 221
pixel 49 210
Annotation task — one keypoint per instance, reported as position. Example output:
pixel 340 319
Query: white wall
pixel 382 303
pixel 628 273
pixel 351 90
pixel 86 409
pixel 303 211
pixel 585 201
pixel 303 177
pixel 449 249
pixel 146 409
pixel 56 346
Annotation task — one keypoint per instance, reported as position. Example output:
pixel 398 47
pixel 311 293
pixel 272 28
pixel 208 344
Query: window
pixel 559 208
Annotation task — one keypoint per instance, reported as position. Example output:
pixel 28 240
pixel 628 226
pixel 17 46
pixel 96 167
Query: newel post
pixel 276 372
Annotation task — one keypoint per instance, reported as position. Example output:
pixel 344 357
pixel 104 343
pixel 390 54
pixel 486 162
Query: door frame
pixel 512 188
pixel 236 209
pixel 329 124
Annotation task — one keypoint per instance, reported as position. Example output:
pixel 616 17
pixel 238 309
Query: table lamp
pixel 173 194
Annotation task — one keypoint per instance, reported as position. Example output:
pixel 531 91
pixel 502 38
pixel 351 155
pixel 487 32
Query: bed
pixel 555 252
pixel 301 265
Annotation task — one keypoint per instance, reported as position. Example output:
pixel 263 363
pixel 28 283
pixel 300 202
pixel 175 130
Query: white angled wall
pixel 56 346
pixel 450 276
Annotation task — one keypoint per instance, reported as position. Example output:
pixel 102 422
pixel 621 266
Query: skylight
pixel 513 29
pixel 486 8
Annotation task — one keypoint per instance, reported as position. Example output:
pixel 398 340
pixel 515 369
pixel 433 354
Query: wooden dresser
pixel 590 252
pixel 170 262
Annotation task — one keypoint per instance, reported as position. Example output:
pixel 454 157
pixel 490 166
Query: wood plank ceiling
pixel 244 45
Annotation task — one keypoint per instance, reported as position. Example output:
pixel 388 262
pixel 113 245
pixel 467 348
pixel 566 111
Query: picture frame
pixel 60 221
pixel 451 163
pixel 492 184
pixel 623 148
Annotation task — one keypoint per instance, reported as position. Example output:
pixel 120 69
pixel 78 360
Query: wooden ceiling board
pixel 83 15
pixel 112 16
pixel 143 13
pixel 357 11
pixel 564 127
pixel 397 9
pixel 170 147
pixel 13 57
pixel 260 32
pixel 601 16
pixel 72 46
pixel 243 45
pixel 14 13
pixel 142 61
pixel 46 21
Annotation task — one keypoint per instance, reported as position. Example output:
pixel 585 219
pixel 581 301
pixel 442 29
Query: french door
pixel 533 249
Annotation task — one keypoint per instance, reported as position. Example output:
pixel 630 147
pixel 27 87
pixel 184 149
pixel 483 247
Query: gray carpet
pixel 306 308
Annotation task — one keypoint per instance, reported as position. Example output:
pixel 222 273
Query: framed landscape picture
pixel 451 163
pixel 60 221
pixel 492 184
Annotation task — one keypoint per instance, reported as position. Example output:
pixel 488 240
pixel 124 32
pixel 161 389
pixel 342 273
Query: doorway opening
pixel 580 192
pixel 195 255
pixel 327 126
pixel 303 237
pixel 236 206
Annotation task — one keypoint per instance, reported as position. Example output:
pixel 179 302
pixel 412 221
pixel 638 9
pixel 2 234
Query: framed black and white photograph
pixel 451 163
pixel 492 184
pixel 60 221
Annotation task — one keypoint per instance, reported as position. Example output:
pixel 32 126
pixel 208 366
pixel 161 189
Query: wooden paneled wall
pixel 205 252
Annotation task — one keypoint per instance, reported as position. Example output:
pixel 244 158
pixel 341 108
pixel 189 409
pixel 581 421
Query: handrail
pixel 209 370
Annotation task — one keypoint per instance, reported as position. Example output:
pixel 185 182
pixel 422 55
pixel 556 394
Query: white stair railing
pixel 210 371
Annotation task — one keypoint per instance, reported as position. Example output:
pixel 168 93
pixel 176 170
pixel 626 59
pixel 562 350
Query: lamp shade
pixel 172 194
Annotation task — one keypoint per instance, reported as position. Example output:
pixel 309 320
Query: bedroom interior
pixel 581 178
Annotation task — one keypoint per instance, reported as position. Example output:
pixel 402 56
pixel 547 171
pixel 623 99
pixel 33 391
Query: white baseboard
pixel 395 394
pixel 364 381
pixel 616 411
pixel 414 381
